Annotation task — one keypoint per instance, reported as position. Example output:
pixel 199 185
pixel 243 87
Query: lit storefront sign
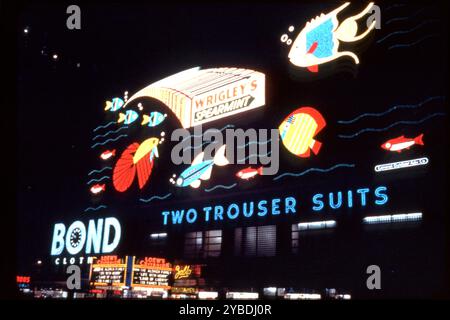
pixel 317 225
pixel 302 296
pixel 208 295
pixel 151 272
pixel 402 217
pixel 242 295
pixel 109 271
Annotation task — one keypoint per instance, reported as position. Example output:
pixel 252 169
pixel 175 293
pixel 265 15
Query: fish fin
pixel 207 174
pixel 146 119
pixel 144 170
pixel 121 118
pixel 195 184
pixel 419 139
pixel 306 154
pixel 315 146
pixel 219 157
pixel 314 68
pixel 154 153
pixel 198 158
pixel 108 105
pixel 260 170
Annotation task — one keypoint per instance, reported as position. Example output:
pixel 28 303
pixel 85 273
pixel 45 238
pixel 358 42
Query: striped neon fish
pixel 298 130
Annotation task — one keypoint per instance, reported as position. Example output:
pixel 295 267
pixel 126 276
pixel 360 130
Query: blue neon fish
pixel 318 41
pixel 154 119
pixel 128 117
pixel 200 169
pixel 114 105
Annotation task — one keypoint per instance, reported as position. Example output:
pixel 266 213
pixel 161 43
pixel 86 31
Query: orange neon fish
pixel 298 130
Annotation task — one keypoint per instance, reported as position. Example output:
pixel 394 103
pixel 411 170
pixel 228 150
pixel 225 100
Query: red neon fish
pixel 249 172
pixel 97 188
pixel 400 143
pixel 108 154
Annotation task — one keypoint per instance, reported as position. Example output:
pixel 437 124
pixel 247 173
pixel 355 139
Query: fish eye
pixel 179 181
pixel 388 145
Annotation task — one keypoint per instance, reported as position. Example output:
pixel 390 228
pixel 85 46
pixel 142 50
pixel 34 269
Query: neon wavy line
pixel 191 147
pixel 201 135
pixel 98 180
pixel 313 169
pixel 412 43
pixel 238 147
pixel 254 155
pixel 95 209
pixel 156 197
pixel 98 171
pixel 109 132
pixel 404 18
pixel 105 126
pixel 404 106
pixel 103 143
pixel 390 126
pixel 253 142
pixel 407 31
pixel 231 186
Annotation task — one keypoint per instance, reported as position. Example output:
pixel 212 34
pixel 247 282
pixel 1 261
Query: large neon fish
pixel 136 159
pixel 200 169
pixel 318 41
pixel 298 130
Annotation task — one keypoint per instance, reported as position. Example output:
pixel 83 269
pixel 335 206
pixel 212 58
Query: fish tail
pixel 419 139
pixel 316 147
pixel 108 105
pixel 146 119
pixel 103 187
pixel 121 117
pixel 113 152
pixel 219 158
pixel 260 170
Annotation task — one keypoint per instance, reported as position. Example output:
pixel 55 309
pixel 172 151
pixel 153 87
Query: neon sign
pixel 23 279
pixel 401 164
pixel 136 159
pixel 109 272
pixel 95 239
pixel 199 96
pixel 298 130
pixel 401 143
pixel 318 41
pixel 401 217
pixel 287 206
pixel 151 273
pixel 182 272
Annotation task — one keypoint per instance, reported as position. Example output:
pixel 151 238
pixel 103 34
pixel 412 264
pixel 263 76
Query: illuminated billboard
pixel 150 272
pixel 205 163
pixel 198 96
pixel 108 271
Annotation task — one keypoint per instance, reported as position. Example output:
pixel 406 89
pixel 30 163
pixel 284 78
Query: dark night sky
pixel 126 47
